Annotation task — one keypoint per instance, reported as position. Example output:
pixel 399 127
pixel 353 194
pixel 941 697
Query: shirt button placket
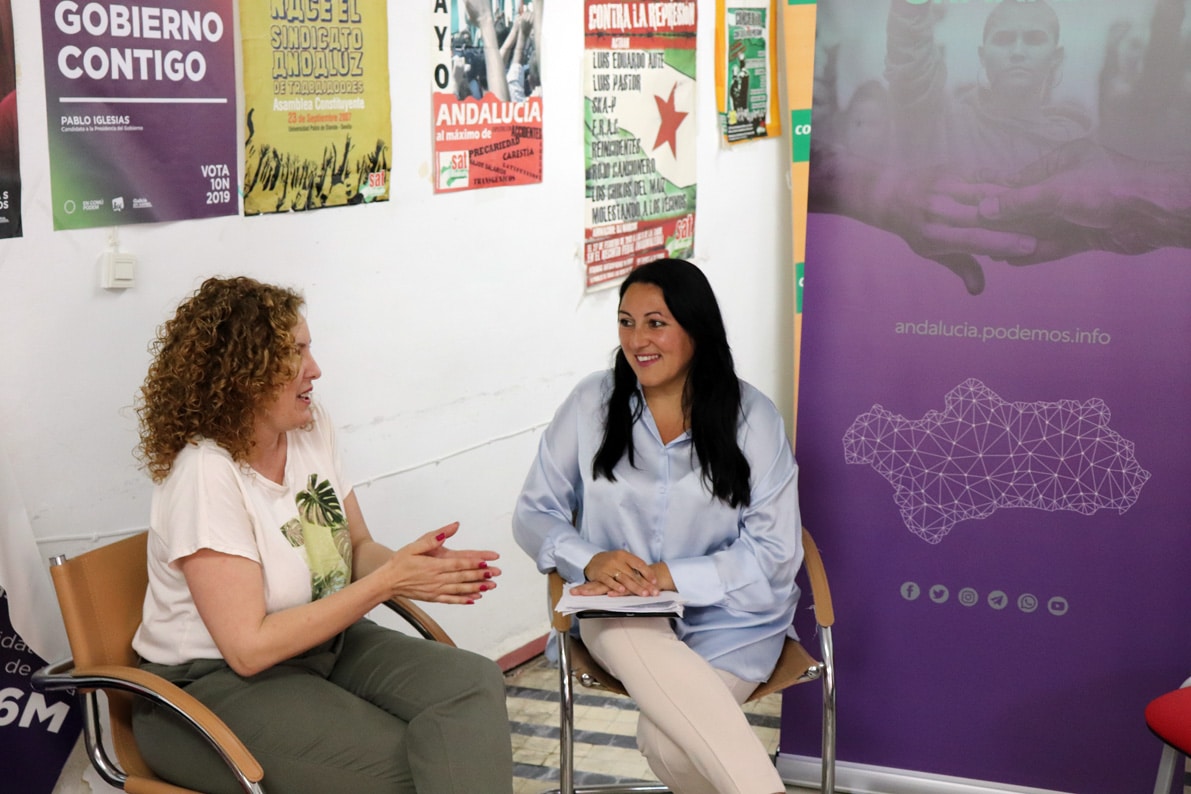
pixel 655 540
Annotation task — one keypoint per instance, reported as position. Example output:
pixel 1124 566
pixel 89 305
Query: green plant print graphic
pixel 320 530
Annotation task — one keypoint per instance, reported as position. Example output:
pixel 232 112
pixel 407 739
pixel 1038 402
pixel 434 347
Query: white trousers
pixel 691 729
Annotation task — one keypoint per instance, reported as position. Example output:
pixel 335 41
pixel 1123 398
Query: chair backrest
pixel 102 594
pixel 812 563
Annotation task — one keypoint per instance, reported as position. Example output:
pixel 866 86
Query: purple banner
pixel 141 108
pixel 995 369
pixel 37 731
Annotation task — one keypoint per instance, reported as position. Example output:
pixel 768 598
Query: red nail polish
pixel 487 574
pixel 440 536
pixel 483 564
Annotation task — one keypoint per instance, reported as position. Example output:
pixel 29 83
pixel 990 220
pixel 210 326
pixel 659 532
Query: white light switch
pixel 119 270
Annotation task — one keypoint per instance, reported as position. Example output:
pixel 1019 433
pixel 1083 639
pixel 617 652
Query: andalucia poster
pixel 487 93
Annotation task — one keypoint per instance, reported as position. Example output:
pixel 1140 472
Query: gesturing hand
pixel 428 571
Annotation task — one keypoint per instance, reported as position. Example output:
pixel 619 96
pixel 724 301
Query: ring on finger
pixel 616 576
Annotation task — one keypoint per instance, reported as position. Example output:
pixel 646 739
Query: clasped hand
pixel 619 573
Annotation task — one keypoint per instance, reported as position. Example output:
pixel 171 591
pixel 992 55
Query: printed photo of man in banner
pixel 487 93
pixel 639 135
pixel 992 413
pixel 1000 152
pixel 317 111
pixel 140 103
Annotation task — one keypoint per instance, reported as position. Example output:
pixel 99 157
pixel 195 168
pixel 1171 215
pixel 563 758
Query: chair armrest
pixel 418 618
pixel 554 585
pixel 817 574
pixel 63 675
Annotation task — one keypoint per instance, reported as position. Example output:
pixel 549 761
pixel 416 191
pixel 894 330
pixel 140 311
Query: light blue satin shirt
pixel 735 566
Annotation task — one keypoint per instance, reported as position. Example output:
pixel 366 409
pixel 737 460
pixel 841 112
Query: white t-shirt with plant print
pixel 296 530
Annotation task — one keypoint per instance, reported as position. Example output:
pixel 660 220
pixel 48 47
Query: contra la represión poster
pixel 639 135
pixel 140 103
pixel 992 414
pixel 317 121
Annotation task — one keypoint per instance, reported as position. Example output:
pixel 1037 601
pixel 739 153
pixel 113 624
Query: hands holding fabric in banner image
pixel 502 56
pixel 1054 208
pixel 1000 169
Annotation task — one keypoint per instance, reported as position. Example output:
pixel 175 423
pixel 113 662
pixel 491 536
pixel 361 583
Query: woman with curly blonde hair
pixel 262 569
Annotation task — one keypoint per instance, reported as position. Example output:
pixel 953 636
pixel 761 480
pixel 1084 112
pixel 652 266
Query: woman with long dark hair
pixel 669 473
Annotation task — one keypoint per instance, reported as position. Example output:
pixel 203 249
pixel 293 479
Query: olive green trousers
pixel 372 710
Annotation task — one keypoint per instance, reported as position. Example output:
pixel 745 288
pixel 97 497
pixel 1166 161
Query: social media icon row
pixel 995 599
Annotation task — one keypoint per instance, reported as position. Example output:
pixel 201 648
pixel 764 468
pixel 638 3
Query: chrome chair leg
pixel 827 649
pixel 566 737
pixel 1166 769
pixel 566 706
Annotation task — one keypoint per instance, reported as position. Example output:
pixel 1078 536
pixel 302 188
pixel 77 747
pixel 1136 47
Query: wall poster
pixel 318 131
pixel 639 136
pixel 141 110
pixel 487 93
pixel 10 149
pixel 746 69
pixel 992 420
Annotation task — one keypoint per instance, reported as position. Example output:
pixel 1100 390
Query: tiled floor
pixel 605 728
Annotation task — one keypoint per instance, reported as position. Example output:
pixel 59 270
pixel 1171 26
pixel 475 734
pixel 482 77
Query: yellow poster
pixel 316 96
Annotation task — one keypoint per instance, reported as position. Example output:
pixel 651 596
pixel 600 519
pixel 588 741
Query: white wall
pixel 448 327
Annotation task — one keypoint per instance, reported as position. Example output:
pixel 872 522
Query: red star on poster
pixel 672 117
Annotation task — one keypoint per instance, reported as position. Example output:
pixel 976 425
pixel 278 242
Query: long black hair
pixel 710 397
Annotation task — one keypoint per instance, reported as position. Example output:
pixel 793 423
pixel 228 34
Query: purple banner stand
pixel 993 445
pixel 37 731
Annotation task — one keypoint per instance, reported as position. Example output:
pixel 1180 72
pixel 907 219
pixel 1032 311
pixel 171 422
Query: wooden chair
pixel 1169 718
pixel 794 666
pixel 101 594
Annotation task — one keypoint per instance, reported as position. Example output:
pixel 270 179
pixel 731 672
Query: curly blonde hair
pixel 228 347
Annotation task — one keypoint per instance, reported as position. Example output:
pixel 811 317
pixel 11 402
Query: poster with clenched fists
pixel 318 131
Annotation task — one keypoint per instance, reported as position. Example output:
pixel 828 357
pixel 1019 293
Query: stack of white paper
pixel 667 602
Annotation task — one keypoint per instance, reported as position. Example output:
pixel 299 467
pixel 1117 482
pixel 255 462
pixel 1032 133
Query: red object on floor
pixel 1169 717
